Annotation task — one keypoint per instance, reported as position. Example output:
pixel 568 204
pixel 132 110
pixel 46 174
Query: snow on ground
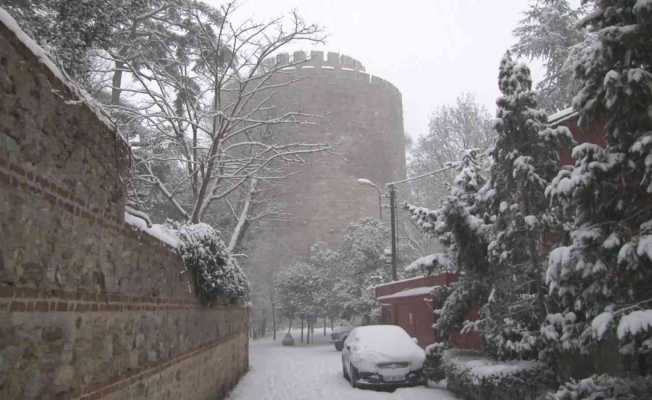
pixel 310 372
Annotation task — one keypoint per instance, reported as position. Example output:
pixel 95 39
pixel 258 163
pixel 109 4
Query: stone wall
pixel 90 308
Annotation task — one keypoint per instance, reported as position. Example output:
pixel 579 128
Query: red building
pixel 596 133
pixel 409 303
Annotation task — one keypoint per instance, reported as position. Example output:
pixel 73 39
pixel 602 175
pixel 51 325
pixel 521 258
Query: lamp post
pixel 392 213
pixel 391 188
pixel 367 182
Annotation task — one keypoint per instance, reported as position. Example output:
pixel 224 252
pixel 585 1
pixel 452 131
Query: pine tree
pixel 459 228
pixel 548 32
pixel 603 277
pixel 525 160
pixel 71 28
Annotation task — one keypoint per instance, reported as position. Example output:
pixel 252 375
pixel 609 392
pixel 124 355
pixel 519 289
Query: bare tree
pixel 451 131
pixel 210 138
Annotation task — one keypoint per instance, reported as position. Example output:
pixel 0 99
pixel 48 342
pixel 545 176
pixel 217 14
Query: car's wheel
pixel 353 376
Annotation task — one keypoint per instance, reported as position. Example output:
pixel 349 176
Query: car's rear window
pixel 379 335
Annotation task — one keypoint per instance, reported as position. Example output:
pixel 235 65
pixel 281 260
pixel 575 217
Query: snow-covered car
pixel 339 335
pixel 382 355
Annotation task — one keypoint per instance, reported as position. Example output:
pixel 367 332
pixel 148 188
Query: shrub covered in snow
pixel 433 367
pixel 465 294
pixel 604 387
pixel 215 274
pixel 431 263
pixel 476 377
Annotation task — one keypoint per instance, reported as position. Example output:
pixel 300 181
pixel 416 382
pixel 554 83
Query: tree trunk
pixel 301 330
pixel 273 320
pixel 263 327
pixel 325 322
pixel 239 229
pixel 117 84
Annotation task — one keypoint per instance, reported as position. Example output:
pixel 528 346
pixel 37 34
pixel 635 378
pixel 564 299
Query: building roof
pixel 561 116
pixel 398 281
pixel 419 291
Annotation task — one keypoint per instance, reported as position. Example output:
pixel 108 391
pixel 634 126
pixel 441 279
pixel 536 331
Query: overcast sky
pixel 432 50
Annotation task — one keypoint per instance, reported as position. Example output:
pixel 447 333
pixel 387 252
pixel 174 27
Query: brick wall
pixel 89 307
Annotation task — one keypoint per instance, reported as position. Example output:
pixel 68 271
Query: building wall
pixel 413 313
pixel 596 133
pixel 89 307
pixel 362 116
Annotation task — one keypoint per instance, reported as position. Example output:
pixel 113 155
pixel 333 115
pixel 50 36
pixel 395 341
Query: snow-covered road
pixel 310 373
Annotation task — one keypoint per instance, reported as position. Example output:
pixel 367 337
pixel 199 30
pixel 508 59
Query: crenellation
pixel 269 63
pixel 316 58
pixel 348 62
pixel 298 56
pixel 282 59
pixel 333 60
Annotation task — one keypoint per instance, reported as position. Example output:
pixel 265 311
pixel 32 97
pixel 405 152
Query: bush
pixel 604 387
pixel 465 294
pixel 215 275
pixel 474 376
pixel 433 367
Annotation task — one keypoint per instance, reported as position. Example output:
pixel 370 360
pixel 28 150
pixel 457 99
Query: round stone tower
pixel 361 115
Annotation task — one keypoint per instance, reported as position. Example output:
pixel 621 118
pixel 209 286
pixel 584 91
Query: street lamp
pixel 392 216
pixel 391 188
pixel 367 182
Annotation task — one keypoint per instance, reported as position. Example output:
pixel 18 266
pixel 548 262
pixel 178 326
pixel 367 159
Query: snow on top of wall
pixel 46 60
pixel 160 232
pixel 420 291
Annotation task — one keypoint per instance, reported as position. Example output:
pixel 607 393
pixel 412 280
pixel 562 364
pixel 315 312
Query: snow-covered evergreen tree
pixel 603 278
pixel 69 29
pixel 458 226
pixel 525 160
pixel 548 32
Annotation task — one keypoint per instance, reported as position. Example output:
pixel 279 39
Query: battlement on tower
pixel 315 59
pixel 349 67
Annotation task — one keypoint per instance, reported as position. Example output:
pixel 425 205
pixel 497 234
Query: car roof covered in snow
pixel 379 334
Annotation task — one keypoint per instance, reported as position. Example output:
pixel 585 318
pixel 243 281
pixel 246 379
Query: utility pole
pixel 392 216
pixel 392 206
